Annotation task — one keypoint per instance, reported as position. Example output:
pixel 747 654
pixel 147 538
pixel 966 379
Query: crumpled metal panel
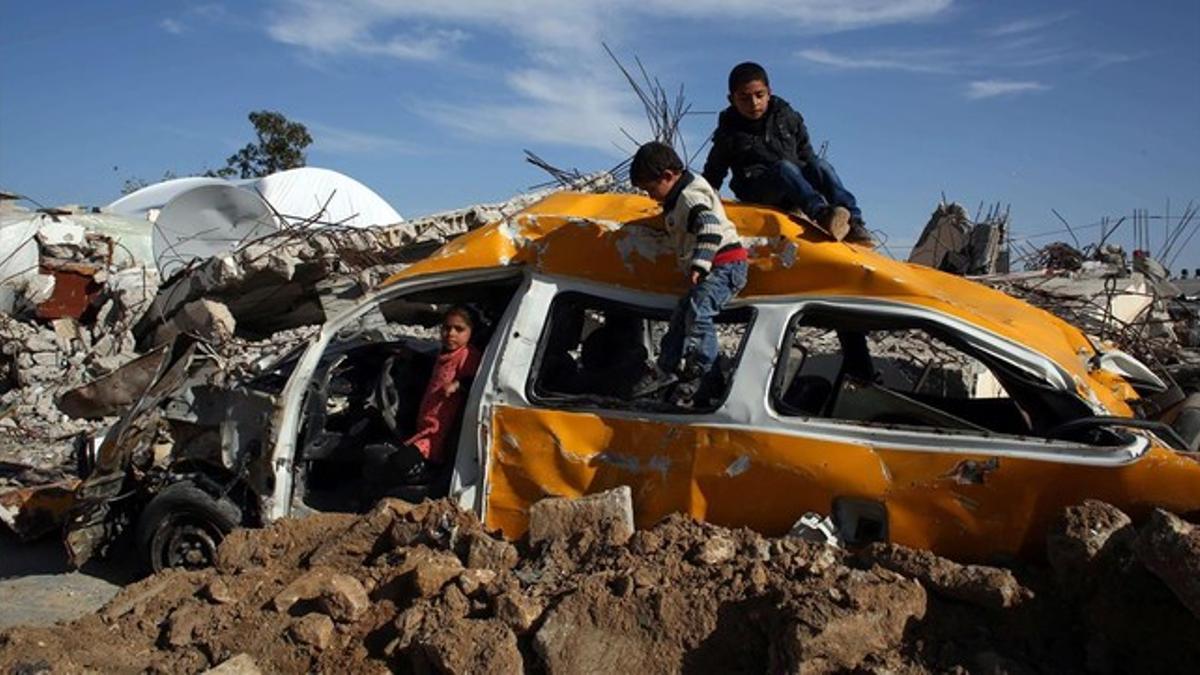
pixel 34 512
pixel 619 239
pixel 968 507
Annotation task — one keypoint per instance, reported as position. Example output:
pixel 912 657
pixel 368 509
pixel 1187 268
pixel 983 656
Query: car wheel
pixel 182 527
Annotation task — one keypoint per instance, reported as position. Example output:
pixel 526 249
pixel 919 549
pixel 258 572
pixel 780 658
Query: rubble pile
pixel 424 588
pixel 247 305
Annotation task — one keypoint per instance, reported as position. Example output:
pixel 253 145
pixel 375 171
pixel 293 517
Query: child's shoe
pixel 655 380
pixel 836 221
pixel 859 234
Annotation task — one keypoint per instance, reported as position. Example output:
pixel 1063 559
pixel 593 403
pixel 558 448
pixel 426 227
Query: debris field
pixel 424 588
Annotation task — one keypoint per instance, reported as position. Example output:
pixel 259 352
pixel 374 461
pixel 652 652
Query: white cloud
pixel 990 88
pixel 172 26
pixel 914 62
pixel 550 107
pixel 363 25
pixel 560 87
pixel 340 141
pixel 1028 24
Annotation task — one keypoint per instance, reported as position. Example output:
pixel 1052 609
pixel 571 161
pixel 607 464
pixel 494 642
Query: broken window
pixel 894 372
pixel 593 351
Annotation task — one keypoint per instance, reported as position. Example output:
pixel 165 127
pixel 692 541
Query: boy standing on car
pixel 708 245
pixel 764 142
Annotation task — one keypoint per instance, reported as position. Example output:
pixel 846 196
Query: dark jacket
pixel 748 146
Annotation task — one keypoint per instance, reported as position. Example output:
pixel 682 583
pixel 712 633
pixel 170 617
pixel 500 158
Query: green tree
pixel 280 146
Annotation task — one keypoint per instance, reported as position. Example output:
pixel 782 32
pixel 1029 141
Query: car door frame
pixel 288 416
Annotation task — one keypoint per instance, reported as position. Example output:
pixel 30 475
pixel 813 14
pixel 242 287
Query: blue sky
pixel 1090 108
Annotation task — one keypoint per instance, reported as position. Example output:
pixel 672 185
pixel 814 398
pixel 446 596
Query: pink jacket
pixel 438 408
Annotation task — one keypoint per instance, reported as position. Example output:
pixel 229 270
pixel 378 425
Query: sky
pixel 1090 108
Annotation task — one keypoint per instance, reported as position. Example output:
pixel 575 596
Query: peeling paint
pixel 738 466
pixel 972 472
pixel 643 242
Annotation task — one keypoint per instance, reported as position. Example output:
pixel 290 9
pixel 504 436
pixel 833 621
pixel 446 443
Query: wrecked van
pixel 909 405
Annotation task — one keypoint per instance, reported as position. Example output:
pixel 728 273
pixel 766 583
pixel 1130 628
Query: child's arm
pixel 705 224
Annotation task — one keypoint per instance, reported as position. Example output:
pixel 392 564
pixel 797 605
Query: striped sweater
pixel 703 236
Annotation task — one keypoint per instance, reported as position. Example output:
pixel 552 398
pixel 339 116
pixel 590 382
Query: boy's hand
pixel 451 387
pixel 694 277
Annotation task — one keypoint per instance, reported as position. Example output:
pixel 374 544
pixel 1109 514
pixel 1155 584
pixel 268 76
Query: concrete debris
pixel 608 515
pixel 1170 548
pixel 951 242
pixel 81 298
pixel 242 664
pixel 987 587
pixel 815 527
pixel 643 606
pixel 1087 537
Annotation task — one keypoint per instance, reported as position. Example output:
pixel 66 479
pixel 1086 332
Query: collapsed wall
pixel 424 588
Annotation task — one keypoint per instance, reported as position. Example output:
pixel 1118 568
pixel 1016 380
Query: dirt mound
pixel 425 588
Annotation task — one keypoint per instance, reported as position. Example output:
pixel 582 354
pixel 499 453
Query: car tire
pixel 182 527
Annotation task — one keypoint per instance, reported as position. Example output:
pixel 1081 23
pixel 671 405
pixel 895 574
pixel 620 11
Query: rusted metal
pixel 75 289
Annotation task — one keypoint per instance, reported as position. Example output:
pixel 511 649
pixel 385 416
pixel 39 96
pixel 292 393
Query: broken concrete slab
pixel 609 515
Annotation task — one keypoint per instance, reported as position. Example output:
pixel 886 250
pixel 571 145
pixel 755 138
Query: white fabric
pixel 301 193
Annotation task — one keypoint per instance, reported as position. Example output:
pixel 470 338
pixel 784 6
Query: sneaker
pixel 836 221
pixel 654 381
pixel 685 392
pixel 859 234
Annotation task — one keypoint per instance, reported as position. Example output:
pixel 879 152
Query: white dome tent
pixel 200 216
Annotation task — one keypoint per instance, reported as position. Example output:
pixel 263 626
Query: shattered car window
pixel 855 370
pixel 593 351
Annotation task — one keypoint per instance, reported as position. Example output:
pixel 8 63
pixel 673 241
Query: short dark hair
pixel 651 161
pixel 467 313
pixel 747 72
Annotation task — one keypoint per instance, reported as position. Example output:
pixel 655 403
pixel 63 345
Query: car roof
pixel 620 239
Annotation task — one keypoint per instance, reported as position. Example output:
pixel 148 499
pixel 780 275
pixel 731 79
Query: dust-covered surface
pixel 426 589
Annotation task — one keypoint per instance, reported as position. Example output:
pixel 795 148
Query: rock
pixel 462 646
pixel 218 592
pixel 600 633
pixel 839 638
pixel 210 320
pixel 366 537
pixel 472 580
pixel 487 552
pixel 242 664
pixel 454 602
pixel 1084 537
pixel 343 598
pixel 607 514
pixel 519 611
pixel 408 624
pixel 1170 548
pixel 716 550
pixel 315 630
pixel 989 587
pixel 422 573
pixel 432 572
pixel 307 586
pixel 182 625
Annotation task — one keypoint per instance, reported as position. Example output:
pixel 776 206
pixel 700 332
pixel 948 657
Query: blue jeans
pixel 691 337
pixel 812 187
